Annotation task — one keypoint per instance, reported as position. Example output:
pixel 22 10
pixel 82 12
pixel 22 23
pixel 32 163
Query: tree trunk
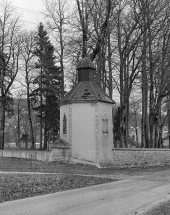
pixel 127 94
pixel 144 120
pixel 158 127
pixel 109 62
pixel 46 124
pixel 84 26
pixel 156 133
pixel 18 127
pixel 61 60
pixel 160 140
pixel 137 138
pixel 136 129
pixel 122 90
pixel 2 103
pixel 169 129
pixel 2 122
pixel 99 69
pixel 103 69
pixel 29 110
pixel 41 127
pixel 45 136
pixel 168 111
pixel 151 92
pixel 123 108
pixel 30 121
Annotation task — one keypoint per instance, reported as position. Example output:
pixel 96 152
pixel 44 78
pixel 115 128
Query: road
pixel 126 197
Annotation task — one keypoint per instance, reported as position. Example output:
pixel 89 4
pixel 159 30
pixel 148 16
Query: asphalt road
pixel 126 197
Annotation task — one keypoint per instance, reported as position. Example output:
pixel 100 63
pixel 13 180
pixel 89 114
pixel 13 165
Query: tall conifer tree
pixel 48 90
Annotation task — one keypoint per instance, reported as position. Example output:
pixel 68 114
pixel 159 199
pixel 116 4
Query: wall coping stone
pixel 140 149
pixel 60 147
pixel 24 150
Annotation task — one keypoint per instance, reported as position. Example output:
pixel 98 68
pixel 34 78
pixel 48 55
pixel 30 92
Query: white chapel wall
pixel 105 140
pixel 83 131
pixel 64 110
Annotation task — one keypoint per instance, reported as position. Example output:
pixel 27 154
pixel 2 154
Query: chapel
pixel 86 119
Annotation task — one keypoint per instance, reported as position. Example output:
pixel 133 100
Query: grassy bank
pixel 17 186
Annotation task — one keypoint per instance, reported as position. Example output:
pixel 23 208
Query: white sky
pixel 30 11
pixel 31 15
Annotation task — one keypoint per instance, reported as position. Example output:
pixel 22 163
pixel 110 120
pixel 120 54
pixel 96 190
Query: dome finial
pixel 86 70
pixel 86 63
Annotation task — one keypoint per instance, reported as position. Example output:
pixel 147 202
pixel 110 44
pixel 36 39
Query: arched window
pixel 64 124
pixel 105 124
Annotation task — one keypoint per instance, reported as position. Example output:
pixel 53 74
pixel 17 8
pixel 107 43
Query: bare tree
pixel 160 84
pixel 135 109
pixel 57 14
pixel 128 37
pixel 154 66
pixel 102 16
pixel 27 55
pixel 86 9
pixel 129 43
pixel 138 24
pixel 10 49
pixel 19 109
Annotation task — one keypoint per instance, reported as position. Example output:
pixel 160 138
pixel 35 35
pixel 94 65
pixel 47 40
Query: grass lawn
pixel 17 185
pixel 24 165
pixel 161 209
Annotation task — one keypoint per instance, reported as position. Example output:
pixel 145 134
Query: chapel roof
pixel 86 91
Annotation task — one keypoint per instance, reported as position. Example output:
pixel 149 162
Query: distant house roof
pixel 86 91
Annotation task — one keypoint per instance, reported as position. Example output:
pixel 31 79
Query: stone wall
pixel 55 154
pixel 140 157
pixel 34 155
pixel 122 158
pixel 60 154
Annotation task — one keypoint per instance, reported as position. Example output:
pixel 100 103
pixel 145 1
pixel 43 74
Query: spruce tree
pixel 48 82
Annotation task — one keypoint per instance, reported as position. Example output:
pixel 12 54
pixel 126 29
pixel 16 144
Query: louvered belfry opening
pixel 86 70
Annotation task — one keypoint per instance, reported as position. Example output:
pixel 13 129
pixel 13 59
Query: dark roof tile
pixel 86 91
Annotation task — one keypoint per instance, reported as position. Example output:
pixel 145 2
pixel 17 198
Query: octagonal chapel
pixel 86 119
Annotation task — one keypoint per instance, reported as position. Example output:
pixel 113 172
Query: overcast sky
pixel 30 11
